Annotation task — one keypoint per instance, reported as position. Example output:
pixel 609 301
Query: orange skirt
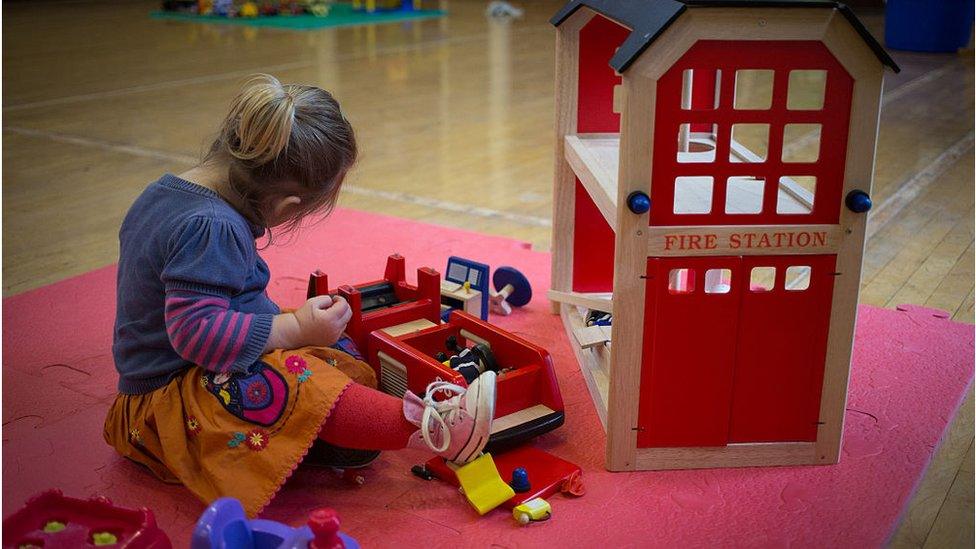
pixel 237 435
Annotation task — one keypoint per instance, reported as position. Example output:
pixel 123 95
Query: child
pixel 218 389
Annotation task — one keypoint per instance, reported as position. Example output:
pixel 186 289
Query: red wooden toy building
pixel 713 169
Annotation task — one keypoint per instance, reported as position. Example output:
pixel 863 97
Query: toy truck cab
pixel 397 328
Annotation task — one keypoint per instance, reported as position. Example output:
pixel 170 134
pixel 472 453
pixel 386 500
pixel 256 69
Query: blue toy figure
pixel 222 7
pixel 225 526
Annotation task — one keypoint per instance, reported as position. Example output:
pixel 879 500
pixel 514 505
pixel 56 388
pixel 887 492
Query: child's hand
pixel 322 320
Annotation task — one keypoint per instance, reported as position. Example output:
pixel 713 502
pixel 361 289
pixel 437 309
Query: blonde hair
pixel 282 140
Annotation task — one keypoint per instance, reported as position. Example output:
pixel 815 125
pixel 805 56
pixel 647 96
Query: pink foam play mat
pixel 911 369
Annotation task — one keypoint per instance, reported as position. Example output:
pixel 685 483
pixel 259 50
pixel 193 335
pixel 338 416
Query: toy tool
pixel 481 484
pixel 713 173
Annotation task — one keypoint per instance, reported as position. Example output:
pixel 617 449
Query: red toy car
pixel 398 329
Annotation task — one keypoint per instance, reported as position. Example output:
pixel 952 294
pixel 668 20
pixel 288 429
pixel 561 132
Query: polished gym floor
pixel 455 119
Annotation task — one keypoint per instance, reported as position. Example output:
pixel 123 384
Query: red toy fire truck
pixel 397 326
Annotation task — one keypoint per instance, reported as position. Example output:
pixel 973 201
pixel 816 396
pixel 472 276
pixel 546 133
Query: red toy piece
pixel 397 327
pixel 387 302
pixel 51 520
pixel 324 523
pixel 547 473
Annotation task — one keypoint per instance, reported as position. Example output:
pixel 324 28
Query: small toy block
pixel 482 484
pixel 547 473
pixel 534 510
pixel 591 336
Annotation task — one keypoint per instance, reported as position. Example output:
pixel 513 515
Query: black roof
pixel 649 18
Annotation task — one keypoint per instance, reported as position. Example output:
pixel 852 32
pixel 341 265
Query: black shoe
pixel 323 454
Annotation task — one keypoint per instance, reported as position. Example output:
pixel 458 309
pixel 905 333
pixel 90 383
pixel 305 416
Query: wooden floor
pixel 455 116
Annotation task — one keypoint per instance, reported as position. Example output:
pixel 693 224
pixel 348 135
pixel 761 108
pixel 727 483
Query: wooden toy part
pixel 482 485
pixel 318 284
pixel 591 336
pixel 512 289
pixel 724 231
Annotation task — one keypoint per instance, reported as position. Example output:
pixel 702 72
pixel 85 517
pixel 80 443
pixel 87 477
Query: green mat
pixel 341 15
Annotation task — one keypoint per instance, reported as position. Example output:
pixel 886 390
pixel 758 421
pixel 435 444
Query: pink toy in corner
pixel 51 520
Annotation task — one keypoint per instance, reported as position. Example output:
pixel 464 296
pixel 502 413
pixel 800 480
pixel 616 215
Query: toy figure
pixel 222 8
pixel 249 9
pixel 318 8
pixel 469 362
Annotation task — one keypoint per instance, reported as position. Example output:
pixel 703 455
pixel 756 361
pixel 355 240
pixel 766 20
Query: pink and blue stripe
pixel 204 331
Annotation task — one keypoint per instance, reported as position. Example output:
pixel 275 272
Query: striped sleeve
pixel 208 263
pixel 205 331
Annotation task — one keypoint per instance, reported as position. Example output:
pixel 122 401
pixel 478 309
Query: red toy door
pixel 690 329
pixel 782 346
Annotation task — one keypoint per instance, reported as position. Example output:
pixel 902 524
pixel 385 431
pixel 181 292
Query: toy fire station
pixel 713 170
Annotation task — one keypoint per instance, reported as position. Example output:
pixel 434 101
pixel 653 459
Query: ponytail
pixel 264 113
pixel 281 140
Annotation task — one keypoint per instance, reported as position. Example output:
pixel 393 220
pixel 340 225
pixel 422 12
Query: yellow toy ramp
pixel 482 485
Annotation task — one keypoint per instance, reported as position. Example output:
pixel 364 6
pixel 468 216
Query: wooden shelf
pixel 595 160
pixel 594 362
pixel 598 301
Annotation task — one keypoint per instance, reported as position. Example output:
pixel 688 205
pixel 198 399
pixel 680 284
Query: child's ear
pixel 283 205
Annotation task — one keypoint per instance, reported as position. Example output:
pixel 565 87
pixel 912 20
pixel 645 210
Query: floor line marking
pixel 244 73
pixel 104 145
pixel 908 190
pixel 394 196
pixel 155 86
pixel 917 82
pixel 914 186
pixel 467 209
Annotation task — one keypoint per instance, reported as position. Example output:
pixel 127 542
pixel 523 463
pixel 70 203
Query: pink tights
pixel 367 419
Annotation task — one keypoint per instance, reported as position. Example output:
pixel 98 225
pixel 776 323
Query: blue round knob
pixel 858 201
pixel 638 202
pixel 520 480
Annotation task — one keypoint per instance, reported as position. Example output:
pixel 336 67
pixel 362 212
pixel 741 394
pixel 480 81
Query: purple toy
pixel 225 526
